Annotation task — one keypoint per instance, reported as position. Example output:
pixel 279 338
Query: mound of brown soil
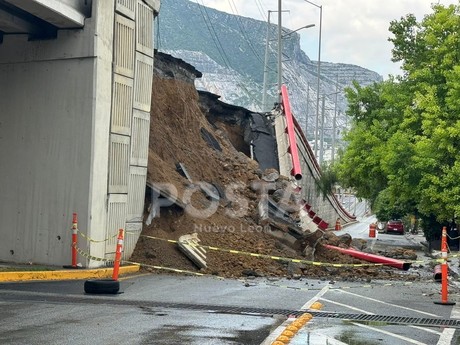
pixel 176 136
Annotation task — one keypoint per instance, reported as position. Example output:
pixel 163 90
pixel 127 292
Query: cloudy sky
pixel 353 31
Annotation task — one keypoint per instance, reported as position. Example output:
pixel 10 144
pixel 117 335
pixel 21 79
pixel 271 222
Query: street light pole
pixel 306 111
pixel 264 94
pixel 280 45
pixel 319 73
pixel 302 27
pixel 280 48
pixel 334 125
pixel 266 68
pixel 321 149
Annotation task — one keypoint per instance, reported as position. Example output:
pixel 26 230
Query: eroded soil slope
pixel 177 135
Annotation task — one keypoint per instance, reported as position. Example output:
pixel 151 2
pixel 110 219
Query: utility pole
pixel 318 72
pixel 266 67
pixel 334 125
pixel 306 112
pixel 264 95
pixel 321 148
pixel 280 49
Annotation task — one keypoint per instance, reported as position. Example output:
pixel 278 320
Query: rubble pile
pixel 202 180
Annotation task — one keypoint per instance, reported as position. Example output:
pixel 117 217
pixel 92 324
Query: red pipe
pixel 437 273
pixel 293 150
pixel 372 257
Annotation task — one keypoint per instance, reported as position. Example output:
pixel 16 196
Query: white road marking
pixel 386 303
pixel 448 333
pixel 409 340
pixel 277 332
pixel 455 313
pixel 446 336
pixel 316 297
pixel 426 329
pixel 369 313
pixel 348 306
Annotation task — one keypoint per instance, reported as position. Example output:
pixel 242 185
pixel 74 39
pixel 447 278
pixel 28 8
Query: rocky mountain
pixel 230 51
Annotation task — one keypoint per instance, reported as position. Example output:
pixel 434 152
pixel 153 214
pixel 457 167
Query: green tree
pixel 403 149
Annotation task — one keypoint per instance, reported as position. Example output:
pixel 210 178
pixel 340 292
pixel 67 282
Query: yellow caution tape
pixel 278 258
pixel 453 238
pixel 93 240
pixel 87 255
pixel 265 256
pixel 173 269
pixel 176 270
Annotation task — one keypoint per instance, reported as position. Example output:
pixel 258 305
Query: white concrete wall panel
pixel 117 212
pixel 127 8
pixel 132 234
pixel 144 29
pixel 122 105
pixel 119 164
pixel 140 138
pixel 282 144
pixel 45 141
pixel 103 13
pixel 67 118
pixel 124 45
pixel 143 82
pixel 136 193
pixel 325 207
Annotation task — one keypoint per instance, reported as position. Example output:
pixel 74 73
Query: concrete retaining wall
pixel 327 208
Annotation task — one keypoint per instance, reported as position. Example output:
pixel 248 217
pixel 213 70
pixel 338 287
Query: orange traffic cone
pixel 338 226
pixel 444 270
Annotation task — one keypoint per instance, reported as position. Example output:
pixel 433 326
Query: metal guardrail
pixel 316 167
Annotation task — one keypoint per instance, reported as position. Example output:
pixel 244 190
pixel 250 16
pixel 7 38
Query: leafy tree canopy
pixel 403 150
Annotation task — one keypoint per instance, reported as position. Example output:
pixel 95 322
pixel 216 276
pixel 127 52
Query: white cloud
pixel 353 31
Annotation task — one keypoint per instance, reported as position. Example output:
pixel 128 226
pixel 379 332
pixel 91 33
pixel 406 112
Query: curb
pixel 77 274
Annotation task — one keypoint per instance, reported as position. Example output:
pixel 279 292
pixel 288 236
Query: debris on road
pixel 210 140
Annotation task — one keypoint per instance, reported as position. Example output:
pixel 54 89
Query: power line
pixel 218 43
pixel 211 30
pixel 262 12
pixel 243 31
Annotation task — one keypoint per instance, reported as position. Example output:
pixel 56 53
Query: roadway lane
pixel 415 300
pixel 60 312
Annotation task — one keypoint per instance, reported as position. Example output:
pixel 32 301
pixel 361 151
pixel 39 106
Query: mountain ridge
pixel 230 51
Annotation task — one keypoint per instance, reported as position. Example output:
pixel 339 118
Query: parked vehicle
pixel 395 225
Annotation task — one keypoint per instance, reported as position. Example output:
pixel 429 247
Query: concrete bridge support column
pixel 74 129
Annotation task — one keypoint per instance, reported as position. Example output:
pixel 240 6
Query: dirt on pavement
pixel 176 136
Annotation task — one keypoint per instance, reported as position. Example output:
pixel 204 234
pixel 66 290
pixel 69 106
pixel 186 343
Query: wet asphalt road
pixel 61 313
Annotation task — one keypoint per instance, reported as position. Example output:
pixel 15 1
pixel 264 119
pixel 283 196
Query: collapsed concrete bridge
pixel 296 159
